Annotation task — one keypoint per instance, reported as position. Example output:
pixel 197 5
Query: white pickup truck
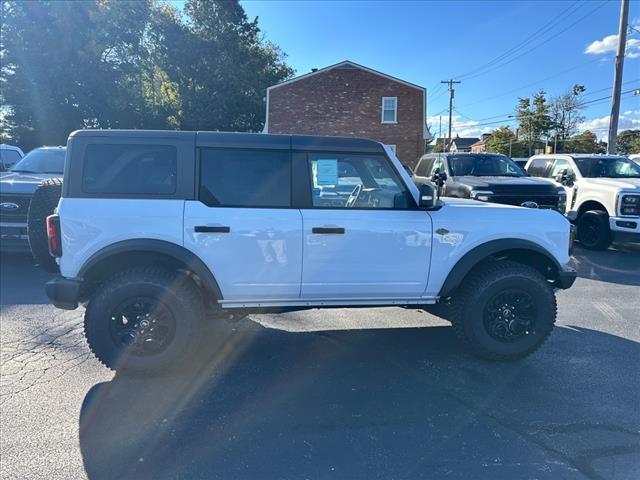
pixel 603 194
pixel 158 232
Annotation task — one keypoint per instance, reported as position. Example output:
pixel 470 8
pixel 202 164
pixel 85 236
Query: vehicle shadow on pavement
pixel 18 275
pixel 620 264
pixel 388 403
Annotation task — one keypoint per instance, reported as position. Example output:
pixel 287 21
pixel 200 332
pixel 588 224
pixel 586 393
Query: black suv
pixel 489 177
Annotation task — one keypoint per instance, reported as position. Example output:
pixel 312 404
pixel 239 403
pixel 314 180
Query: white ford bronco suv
pixel 603 194
pixel 158 232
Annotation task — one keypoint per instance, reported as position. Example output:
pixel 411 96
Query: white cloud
pixel 460 126
pixel 609 44
pixel 629 120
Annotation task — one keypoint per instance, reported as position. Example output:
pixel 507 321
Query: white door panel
pixel 260 257
pixel 382 253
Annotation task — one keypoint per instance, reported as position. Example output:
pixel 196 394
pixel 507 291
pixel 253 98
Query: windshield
pixel 608 167
pixel 483 165
pixel 42 160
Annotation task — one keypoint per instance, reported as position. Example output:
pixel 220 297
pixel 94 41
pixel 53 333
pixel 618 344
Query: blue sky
pixel 548 44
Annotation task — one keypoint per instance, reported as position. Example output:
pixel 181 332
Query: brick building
pixel 350 100
pixel 481 145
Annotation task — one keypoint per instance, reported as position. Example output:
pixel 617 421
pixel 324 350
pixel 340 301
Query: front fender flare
pixel 477 254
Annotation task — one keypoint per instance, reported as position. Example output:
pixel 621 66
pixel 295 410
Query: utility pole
pixel 617 77
pixel 530 134
pixel 451 95
pixel 440 134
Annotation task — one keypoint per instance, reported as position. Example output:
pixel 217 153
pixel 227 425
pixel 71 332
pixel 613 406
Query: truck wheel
pixel 593 230
pixel 144 320
pixel 504 311
pixel 43 203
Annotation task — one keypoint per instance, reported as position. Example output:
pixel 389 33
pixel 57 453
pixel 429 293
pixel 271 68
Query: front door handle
pixel 328 230
pixel 211 229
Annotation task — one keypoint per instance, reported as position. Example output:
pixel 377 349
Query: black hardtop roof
pixel 244 140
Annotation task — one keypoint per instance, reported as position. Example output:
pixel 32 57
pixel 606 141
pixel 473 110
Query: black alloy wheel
pixel 593 230
pixel 510 315
pixel 142 326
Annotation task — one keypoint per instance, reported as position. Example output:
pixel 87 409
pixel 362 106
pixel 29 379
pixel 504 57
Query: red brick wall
pixel 348 102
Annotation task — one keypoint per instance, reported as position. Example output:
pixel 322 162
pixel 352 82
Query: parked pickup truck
pixel 17 187
pixel 489 177
pixel 603 194
pixel 158 232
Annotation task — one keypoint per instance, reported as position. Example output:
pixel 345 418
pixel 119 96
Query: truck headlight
pixel 562 201
pixel 630 205
pixel 482 195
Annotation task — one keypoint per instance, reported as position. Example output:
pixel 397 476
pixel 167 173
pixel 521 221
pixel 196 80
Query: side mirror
pixel 428 199
pixel 439 179
pixel 565 178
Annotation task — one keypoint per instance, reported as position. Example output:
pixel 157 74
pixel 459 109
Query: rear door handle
pixel 328 230
pixel 211 229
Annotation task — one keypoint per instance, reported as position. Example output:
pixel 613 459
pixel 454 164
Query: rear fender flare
pixel 178 252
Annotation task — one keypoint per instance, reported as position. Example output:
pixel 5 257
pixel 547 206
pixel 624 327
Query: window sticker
pixel 326 172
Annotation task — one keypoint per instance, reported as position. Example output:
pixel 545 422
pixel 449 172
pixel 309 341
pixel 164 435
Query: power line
pixel 522 43
pixel 513 118
pixel 545 41
pixel 575 67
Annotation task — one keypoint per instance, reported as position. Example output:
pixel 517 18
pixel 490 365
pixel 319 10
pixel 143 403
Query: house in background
pixel 347 99
pixel 481 145
pixel 462 144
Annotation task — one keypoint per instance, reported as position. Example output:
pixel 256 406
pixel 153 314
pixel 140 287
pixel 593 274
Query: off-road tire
pixel 177 293
pixel 598 220
pixel 479 287
pixel 43 203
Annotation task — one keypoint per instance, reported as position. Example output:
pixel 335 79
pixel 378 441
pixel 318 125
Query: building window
pixel 389 109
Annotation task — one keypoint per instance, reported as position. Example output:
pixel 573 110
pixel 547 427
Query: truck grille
pixel 14 208
pixel 543 201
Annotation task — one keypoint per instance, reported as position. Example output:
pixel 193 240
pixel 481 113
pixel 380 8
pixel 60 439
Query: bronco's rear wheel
pixel 143 320
pixel 504 311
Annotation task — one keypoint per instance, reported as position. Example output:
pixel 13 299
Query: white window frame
pixel 395 110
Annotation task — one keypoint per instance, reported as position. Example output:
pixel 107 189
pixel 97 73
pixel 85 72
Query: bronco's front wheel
pixel 143 320
pixel 504 311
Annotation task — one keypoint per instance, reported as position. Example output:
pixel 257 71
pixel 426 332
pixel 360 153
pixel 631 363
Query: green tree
pixel 131 64
pixel 533 118
pixel 504 140
pixel 565 115
pixel 438 146
pixel 628 142
pixel 219 63
pixel 586 142
pixel 69 65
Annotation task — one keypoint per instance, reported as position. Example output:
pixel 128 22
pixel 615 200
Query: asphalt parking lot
pixel 330 394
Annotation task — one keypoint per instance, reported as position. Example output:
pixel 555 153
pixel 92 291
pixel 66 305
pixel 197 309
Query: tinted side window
pixel 130 169
pixel 8 158
pixel 538 167
pixel 424 167
pixel 355 181
pixel 245 178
